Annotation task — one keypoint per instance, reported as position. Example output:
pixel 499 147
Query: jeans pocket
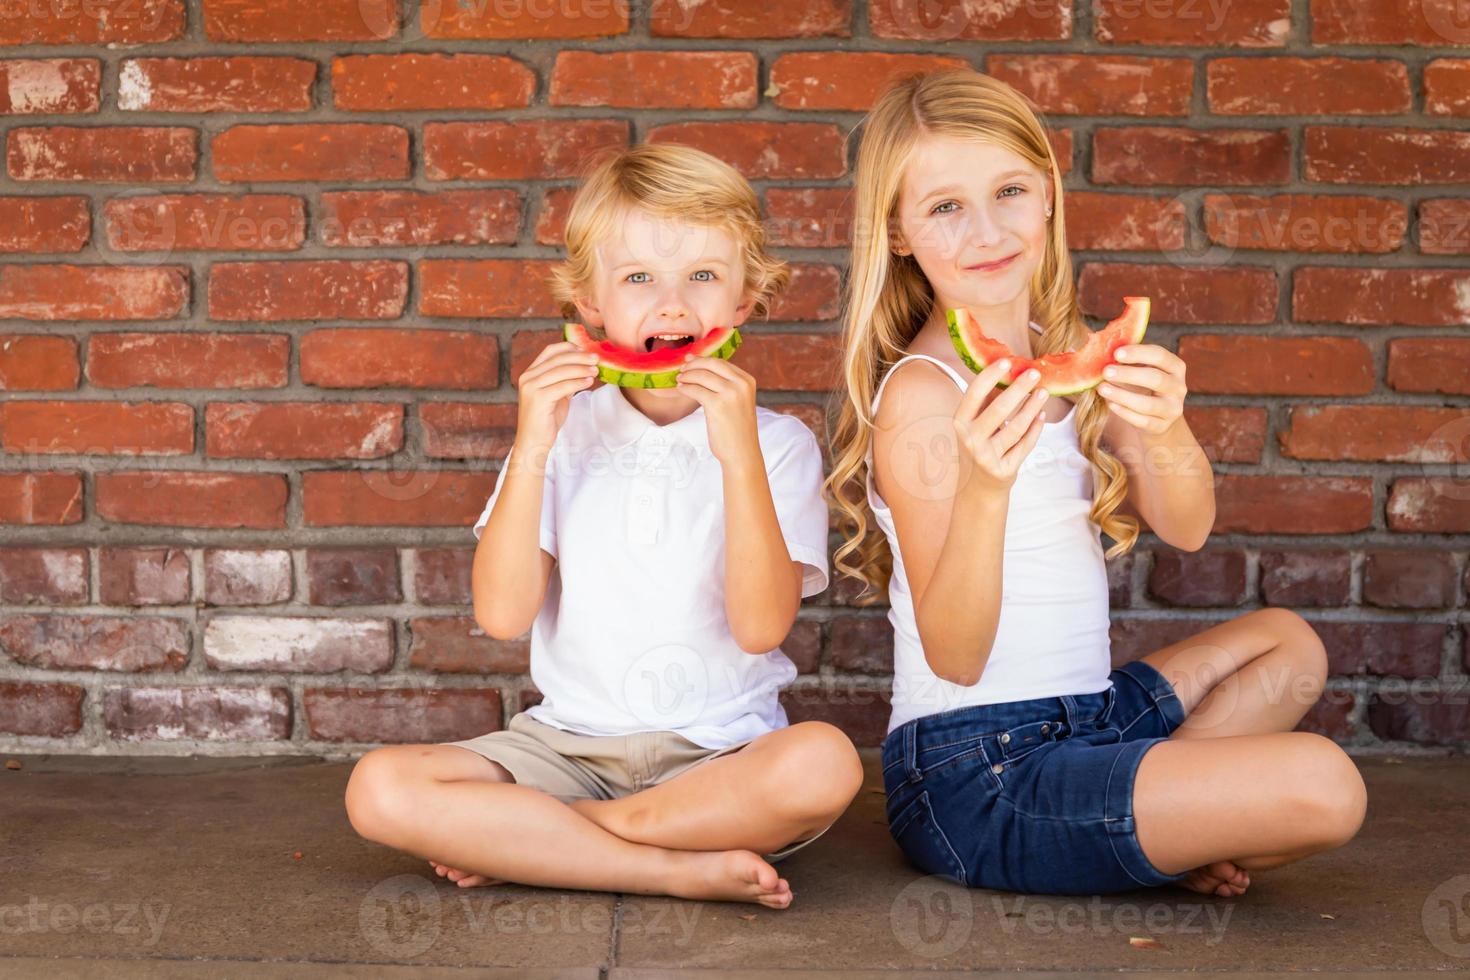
pixel 923 841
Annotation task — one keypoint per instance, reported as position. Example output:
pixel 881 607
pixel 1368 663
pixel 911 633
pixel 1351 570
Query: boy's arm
pixel 762 582
pixel 517 549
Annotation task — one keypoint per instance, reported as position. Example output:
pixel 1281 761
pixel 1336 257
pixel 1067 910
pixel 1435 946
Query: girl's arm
pixel 944 465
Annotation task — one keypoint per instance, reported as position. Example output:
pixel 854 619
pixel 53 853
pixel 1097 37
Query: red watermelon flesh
pixel 657 368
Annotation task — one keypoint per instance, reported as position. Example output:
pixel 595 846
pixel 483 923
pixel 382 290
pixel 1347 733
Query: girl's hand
pixel 728 396
pixel 546 387
pixel 997 432
pixel 1147 392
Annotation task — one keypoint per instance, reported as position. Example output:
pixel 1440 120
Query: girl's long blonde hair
pixel 889 299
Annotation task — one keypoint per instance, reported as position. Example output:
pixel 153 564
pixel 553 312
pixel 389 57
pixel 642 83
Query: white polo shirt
pixel 632 635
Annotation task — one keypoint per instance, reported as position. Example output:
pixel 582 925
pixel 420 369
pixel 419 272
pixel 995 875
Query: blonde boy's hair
pixel 670 181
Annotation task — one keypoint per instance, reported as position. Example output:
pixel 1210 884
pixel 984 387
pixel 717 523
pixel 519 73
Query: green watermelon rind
pixel 624 378
pixel 975 360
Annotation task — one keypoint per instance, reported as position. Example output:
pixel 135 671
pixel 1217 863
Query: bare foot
pixel 464 879
pixel 728 876
pixel 1223 878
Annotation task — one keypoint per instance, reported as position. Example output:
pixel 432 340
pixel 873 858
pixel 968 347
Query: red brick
pixel 298 644
pixel 457 645
pixel 803 645
pixel 1331 716
pixel 1181 294
pixel 1228 434
pixel 1423 717
pixel 126 643
pixel 1249 503
pixel 112 154
pixel 1389 433
pixel 143 576
pixel 352 576
pixel 1098 85
pixel 34 362
pixel 214 713
pixel 532 149
pixel 1433 23
pixel 1306 578
pixel 1133 638
pixel 96 428
pixel 552 220
pixel 1410 579
pixel 1061 144
pixel 1387 649
pixel 1381 297
pixel 401 715
pixel 246 576
pixel 655 79
pixel 109 22
pixel 1241 24
pixel 1447 86
pixel 408 498
pixel 861 644
pixel 44 710
pixel 50 86
pixel 246 21
pixel 1124 222
pixel 514 288
pixel 1308 86
pixel 303 430
pixel 390 358
pixel 860 712
pixel 1175 155
pixel 468 430
pixel 1434 364
pixel 1331 224
pixel 764 149
pixel 1433 504
pixel 957 20
pixel 40 498
pixel 193 499
pixel 1250 364
pixel 1385 155
pixel 451 20
pixel 312 152
pixel 178 360
pixel 47 576
pixel 1120 580
pixel 441 576
pixel 845 80
pixel 364 219
pixel 810 217
pixel 93 292
pixel 44 224
pixel 1213 577
pixel 416 82
pixel 750 19
pixel 205 222
pixel 813 294
pixel 1444 226
pixel 370 289
pixel 197 85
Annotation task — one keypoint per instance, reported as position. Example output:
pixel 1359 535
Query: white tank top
pixel 1052 635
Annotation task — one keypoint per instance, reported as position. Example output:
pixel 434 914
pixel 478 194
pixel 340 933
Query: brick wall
pixel 271 266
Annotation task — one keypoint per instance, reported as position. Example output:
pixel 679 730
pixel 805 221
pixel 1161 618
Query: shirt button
pixel 1005 739
pixel 643 499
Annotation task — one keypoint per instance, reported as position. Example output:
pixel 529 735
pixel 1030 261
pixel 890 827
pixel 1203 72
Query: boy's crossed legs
pixel 698 834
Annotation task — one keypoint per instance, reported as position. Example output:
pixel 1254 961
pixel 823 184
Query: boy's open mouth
pixel 662 341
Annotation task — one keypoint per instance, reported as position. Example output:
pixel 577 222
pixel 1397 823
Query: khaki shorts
pixel 571 766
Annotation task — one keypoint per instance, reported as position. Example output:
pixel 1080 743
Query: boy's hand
pixel 728 396
pixel 546 387
pixel 1148 392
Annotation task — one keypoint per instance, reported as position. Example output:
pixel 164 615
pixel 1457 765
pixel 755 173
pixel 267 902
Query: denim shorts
pixel 1031 796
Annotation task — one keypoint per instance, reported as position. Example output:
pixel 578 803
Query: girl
pixel 1015 758
pixel 657 542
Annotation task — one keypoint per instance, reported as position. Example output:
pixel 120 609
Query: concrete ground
pixel 164 868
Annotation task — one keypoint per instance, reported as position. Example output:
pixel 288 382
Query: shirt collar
pixel 620 423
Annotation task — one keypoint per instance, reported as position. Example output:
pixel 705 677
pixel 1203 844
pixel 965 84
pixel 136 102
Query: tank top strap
pixel 955 376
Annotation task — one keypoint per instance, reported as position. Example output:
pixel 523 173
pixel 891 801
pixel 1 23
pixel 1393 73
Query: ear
pixel 743 311
pixel 591 315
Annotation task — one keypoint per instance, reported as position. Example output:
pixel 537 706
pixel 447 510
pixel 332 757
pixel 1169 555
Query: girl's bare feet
pixel 1223 878
pixel 727 876
pixel 463 879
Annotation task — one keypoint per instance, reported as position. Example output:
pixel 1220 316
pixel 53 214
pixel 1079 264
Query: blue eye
pixel 633 277
pixel 703 272
pixel 943 204
pixel 1012 187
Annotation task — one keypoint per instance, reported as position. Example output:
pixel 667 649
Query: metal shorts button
pixel 1045 729
pixel 997 768
pixel 1005 738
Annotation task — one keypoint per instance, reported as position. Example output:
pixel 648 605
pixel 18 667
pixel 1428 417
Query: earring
pixel 1048 212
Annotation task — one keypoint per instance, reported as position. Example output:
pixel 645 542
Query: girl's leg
pixel 1257 674
pixel 785 786
pixel 451 805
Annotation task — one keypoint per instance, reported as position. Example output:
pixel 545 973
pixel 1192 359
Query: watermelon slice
pixel 649 369
pixel 1065 373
